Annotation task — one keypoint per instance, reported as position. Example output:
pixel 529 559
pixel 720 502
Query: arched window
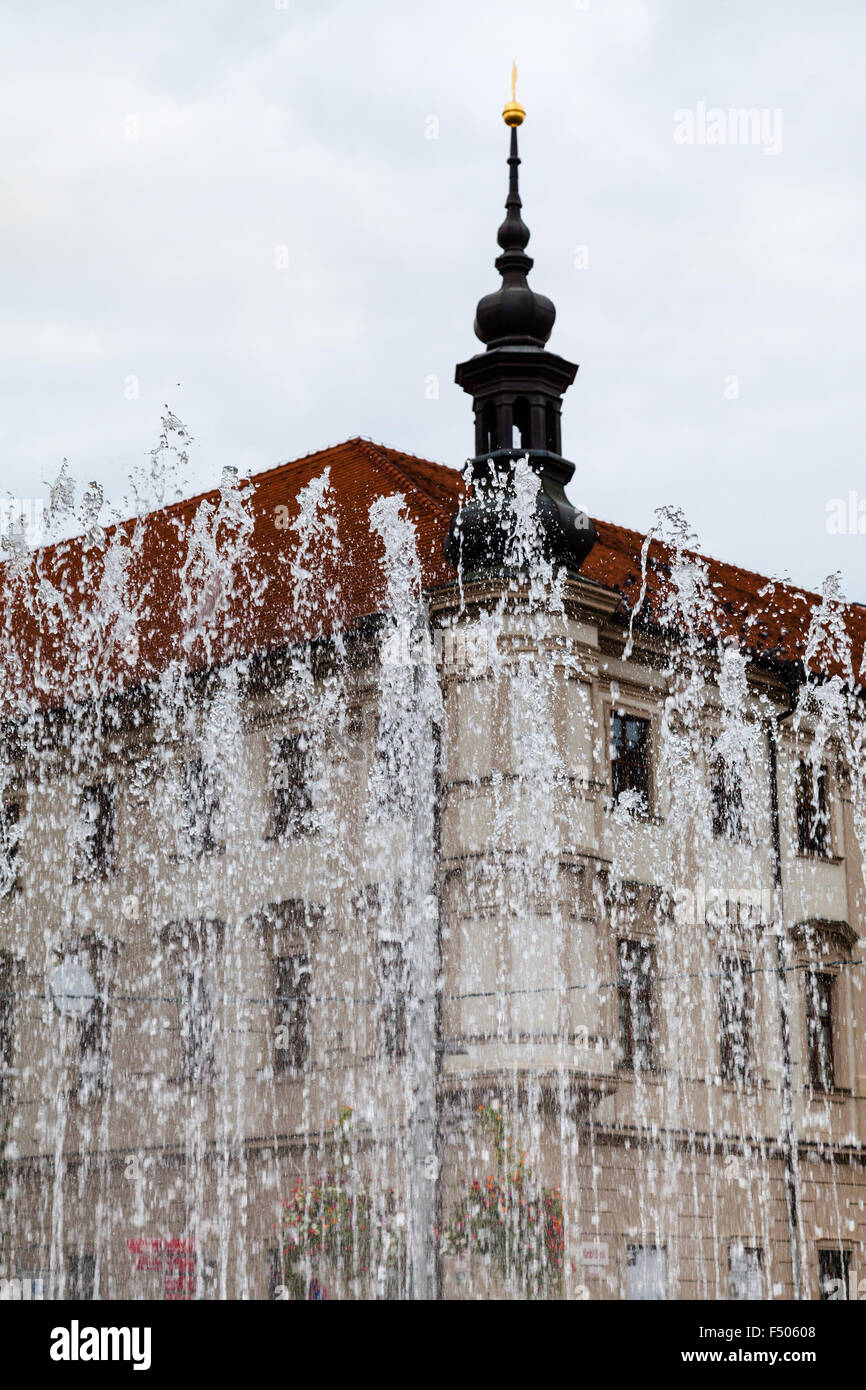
pixel 824 947
pixel 489 422
pixel 520 433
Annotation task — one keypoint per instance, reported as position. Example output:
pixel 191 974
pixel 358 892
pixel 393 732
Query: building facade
pixel 386 852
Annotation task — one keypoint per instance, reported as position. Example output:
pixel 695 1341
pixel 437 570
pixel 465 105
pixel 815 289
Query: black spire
pixel 517 388
pixel 514 313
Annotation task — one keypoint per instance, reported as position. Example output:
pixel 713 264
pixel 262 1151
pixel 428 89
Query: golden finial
pixel 513 113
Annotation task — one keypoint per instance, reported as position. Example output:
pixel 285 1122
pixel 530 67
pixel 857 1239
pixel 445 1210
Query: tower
pixel 516 386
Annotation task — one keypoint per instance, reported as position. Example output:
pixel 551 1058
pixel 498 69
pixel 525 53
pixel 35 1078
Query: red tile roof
pixel 769 618
pixel 73 651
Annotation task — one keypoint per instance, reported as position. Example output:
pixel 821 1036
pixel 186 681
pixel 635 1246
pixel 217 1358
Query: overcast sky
pixel 235 207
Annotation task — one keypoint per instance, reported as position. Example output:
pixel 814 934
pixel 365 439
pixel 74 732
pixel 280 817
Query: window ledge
pixel 820 858
pixel 195 855
pixel 640 817
pixel 289 837
pixel 81 880
pixel 631 1073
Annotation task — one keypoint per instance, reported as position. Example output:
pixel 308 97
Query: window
pixel 9 817
pixel 196 1025
pixel 646 1272
pixel 193 953
pixel 727 799
pixel 520 430
pixel 489 429
pixel 7 1028
pixel 819 1027
pixel 78 986
pixel 93 1050
pixel 292 800
pixel 745 1275
pixel 636 971
pixel 94 853
pixel 833 1271
pixel 80 1275
pixel 391 787
pixel 629 752
pixel 392 987
pixel 735 1019
pixel 292 987
pixel 202 806
pixel 813 821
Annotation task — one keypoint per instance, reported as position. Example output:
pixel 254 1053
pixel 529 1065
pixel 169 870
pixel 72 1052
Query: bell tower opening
pixel 520 430
pixel 488 427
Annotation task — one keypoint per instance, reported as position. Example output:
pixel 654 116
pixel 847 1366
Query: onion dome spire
pixel 516 386
pixel 514 313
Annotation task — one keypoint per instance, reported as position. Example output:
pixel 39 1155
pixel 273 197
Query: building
pixel 425 857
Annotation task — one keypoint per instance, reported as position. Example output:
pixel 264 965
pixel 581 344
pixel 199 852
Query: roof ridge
pixel 788 584
pixel 387 465
pixel 185 507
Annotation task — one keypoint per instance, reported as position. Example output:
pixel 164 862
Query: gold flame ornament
pixel 513 113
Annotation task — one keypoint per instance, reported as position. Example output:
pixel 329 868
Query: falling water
pixel 468 1018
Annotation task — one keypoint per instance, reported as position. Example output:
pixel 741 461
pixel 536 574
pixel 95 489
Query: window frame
pixel 293 1059
pixel 822 1064
pixel 627 996
pixel 198 1042
pixel 199 780
pixel 393 1010
pixel 194 949
pixel 810 843
pixel 727 801
pixel 736 1072
pixel 626 713
pixel 91 1033
pixel 95 850
pixel 291 796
